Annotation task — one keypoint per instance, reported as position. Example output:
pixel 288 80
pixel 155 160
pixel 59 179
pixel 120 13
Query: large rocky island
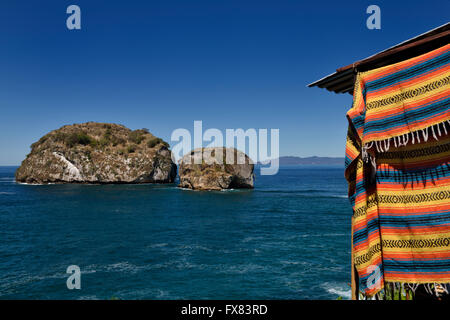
pixel 214 172
pixel 98 153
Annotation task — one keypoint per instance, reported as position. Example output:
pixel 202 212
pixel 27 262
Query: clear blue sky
pixel 163 64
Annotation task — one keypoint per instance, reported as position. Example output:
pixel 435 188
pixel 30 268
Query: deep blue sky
pixel 163 64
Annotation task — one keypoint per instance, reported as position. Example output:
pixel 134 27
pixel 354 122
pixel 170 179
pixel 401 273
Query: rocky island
pixel 98 153
pixel 214 173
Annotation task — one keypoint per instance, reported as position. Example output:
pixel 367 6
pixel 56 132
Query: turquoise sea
pixel 289 238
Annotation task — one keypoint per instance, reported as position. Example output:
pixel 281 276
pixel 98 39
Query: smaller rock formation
pixel 213 170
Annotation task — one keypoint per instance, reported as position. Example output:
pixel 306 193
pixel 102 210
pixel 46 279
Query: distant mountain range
pixel 290 160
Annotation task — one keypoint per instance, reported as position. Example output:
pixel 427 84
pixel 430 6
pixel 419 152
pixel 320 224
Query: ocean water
pixel 289 238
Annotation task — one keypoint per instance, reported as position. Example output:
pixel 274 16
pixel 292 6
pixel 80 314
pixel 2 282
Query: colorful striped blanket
pixel 398 171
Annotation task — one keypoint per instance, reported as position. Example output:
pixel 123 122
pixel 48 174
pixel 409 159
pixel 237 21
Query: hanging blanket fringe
pixel 407 291
pixel 432 132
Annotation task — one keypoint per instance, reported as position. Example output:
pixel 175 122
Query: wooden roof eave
pixel 342 80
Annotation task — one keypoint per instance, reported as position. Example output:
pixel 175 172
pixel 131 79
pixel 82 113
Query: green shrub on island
pixel 155 141
pixel 137 136
pixel 131 148
pixel 79 138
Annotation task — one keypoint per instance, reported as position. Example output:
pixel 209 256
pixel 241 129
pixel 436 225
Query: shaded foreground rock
pixel 214 172
pixel 98 153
